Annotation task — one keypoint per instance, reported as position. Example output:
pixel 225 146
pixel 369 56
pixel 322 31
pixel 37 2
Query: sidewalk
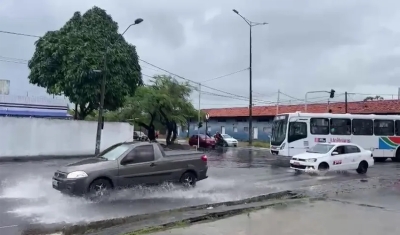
pixel 319 218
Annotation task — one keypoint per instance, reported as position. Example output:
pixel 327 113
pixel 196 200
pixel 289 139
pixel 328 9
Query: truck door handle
pixel 152 164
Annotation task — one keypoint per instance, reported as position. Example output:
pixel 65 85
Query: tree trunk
pixel 174 131
pixel 169 133
pixel 76 111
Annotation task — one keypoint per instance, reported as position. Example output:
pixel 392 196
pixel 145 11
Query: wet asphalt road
pixel 26 195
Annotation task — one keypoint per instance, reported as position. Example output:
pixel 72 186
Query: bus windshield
pixel 279 127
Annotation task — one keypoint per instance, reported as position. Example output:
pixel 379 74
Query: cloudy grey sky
pixel 351 45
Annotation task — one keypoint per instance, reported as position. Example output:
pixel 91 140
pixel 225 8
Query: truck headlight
pixel 77 175
pixel 311 160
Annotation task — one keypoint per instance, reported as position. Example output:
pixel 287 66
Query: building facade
pixel 234 121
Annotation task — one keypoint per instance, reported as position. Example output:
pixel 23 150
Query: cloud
pixel 309 45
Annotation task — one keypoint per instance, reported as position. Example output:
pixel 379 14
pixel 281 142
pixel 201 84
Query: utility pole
pixel 251 24
pixel 199 115
pixel 100 120
pixel 101 109
pixel 277 103
pixel 345 102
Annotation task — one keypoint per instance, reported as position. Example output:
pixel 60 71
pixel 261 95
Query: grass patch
pixel 257 143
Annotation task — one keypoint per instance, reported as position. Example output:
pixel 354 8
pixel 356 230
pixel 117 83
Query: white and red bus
pixel 294 133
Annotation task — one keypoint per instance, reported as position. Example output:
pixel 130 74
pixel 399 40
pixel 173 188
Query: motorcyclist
pixel 218 137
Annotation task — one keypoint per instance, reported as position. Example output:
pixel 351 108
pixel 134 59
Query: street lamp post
pixel 251 24
pixel 103 91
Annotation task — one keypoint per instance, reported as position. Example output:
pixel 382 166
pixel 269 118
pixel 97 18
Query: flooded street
pixel 26 195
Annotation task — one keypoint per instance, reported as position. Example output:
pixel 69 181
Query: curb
pixel 42 158
pixel 105 224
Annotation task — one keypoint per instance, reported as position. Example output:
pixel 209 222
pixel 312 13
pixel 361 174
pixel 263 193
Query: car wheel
pixel 188 180
pixel 323 167
pixel 362 167
pixel 99 189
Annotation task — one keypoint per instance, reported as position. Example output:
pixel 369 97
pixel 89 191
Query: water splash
pixel 35 199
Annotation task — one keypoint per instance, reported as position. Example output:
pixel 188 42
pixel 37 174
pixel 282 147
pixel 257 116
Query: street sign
pixel 207 116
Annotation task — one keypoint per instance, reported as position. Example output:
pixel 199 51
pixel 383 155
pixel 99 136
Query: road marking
pixel 9 226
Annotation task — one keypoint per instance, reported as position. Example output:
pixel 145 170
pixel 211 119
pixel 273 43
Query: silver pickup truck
pixel 130 164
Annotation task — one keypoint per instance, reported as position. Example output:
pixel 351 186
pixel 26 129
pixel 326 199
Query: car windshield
pixel 226 136
pixel 320 148
pixel 114 153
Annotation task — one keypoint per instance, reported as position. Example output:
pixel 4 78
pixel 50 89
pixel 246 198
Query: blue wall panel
pixel 233 128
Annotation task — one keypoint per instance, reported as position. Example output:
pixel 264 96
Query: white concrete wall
pixel 42 137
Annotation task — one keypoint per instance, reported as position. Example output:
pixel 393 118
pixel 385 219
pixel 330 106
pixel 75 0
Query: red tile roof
pixel 360 107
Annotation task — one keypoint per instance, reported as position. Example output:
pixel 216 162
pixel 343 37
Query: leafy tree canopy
pixel 164 101
pixel 65 62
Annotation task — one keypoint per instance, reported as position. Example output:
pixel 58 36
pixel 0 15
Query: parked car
pixel 130 164
pixel 333 157
pixel 140 136
pixel 229 141
pixel 205 141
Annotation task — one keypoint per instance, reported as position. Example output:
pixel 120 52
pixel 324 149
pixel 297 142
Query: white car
pixel 229 141
pixel 333 157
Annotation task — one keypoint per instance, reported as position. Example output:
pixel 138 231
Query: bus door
pixel 297 136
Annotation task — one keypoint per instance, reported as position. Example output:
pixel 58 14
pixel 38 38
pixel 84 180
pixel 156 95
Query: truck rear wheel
pixel 188 179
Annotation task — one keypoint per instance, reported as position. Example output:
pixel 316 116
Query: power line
pixel 226 75
pixel 19 34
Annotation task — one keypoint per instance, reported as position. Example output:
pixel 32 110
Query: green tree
pixel 174 107
pixel 65 62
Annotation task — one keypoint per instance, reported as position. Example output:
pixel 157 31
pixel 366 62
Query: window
pixel 363 127
pixel 246 129
pixel 143 154
pixel 384 127
pixel 267 129
pixel 351 149
pixel 209 129
pixel 397 131
pixel 321 148
pixel 340 126
pixel 195 128
pixel 234 129
pixel 339 150
pixel 319 126
pixel 297 131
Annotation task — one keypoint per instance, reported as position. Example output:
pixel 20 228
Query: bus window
pixel 297 131
pixel 363 127
pixel 319 126
pixel 384 127
pixel 397 127
pixel 340 126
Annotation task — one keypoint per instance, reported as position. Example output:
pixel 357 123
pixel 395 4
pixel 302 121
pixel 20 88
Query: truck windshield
pixel 279 128
pixel 114 153
pixel 320 148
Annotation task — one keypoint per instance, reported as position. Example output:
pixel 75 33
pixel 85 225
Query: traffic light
pixel 332 94
pixel 200 125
